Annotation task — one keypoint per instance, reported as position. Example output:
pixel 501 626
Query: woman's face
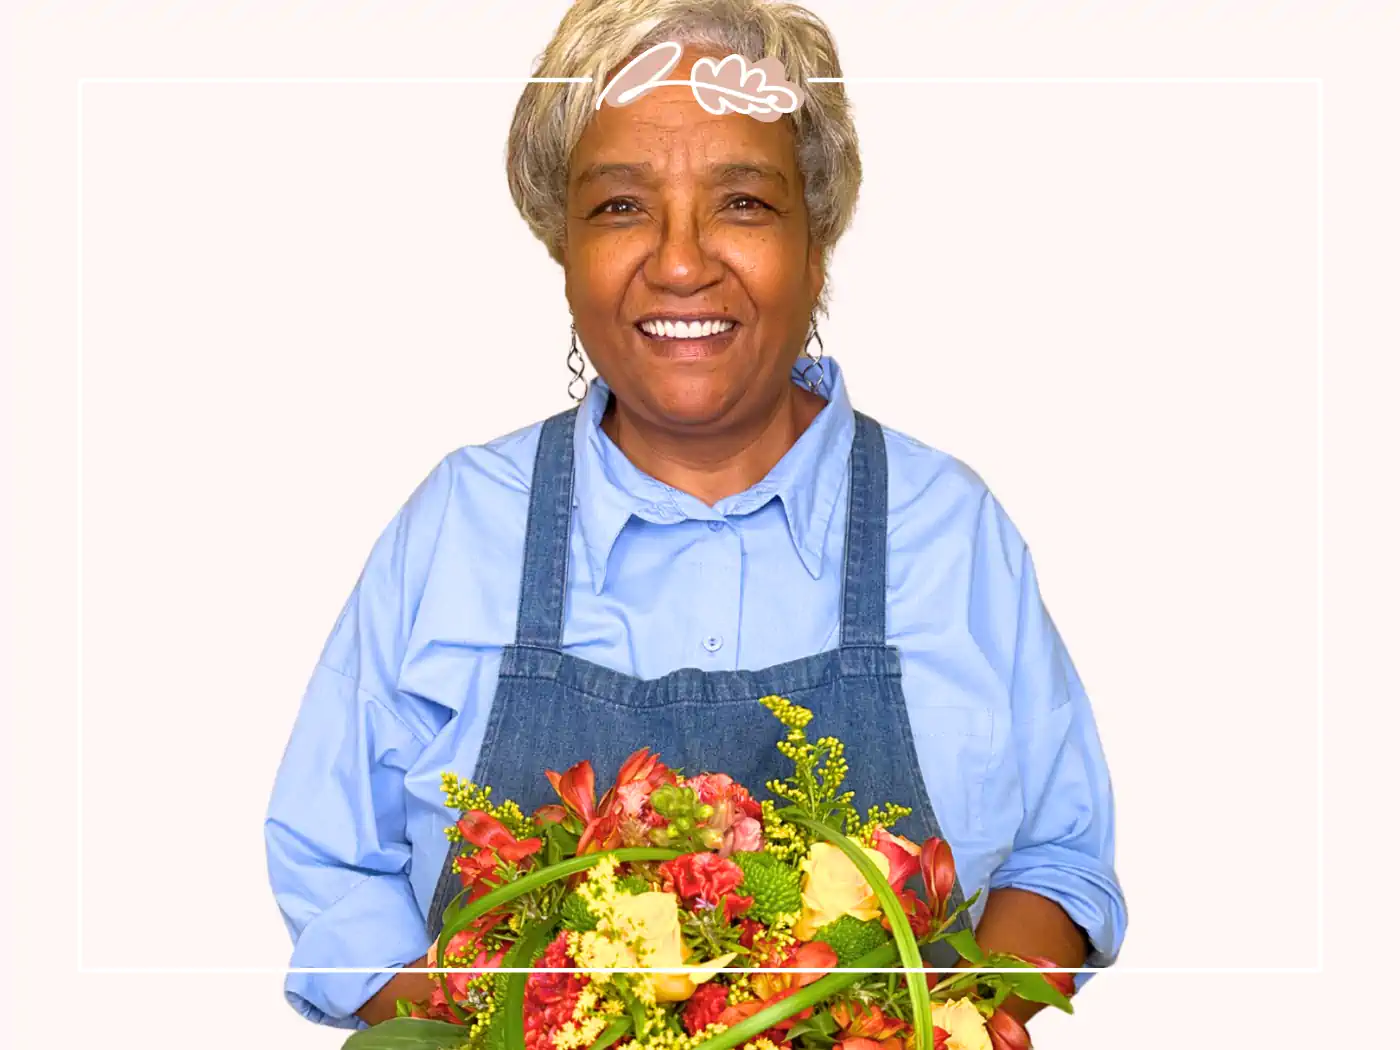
pixel 676 215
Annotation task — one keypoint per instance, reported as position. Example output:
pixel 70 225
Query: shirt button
pixel 715 526
pixel 713 642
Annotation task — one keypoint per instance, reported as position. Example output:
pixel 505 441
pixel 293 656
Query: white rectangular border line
pixel 1317 82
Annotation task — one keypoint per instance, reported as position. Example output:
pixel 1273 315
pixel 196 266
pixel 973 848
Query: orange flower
pixel 575 788
pixel 936 864
pixel 860 1021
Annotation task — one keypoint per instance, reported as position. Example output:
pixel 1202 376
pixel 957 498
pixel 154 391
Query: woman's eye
pixel 616 206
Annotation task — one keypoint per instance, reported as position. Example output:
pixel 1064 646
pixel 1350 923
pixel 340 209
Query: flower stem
pixel 899 924
pixel 822 988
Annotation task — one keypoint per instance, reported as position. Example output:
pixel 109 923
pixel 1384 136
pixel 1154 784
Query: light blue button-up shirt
pixel 658 581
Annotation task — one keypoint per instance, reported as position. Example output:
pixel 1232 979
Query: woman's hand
pixel 383 1005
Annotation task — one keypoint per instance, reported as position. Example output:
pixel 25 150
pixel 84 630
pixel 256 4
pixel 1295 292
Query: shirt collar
pixel 609 490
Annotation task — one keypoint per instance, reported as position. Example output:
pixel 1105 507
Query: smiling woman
pixel 714 524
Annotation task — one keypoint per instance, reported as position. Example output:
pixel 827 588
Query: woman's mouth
pixel 688 338
pixel 682 328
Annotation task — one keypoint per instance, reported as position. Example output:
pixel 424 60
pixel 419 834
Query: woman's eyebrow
pixel 727 174
pixel 644 173
pixel 720 174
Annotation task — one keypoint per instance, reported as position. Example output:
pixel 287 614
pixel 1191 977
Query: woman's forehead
pixel 668 128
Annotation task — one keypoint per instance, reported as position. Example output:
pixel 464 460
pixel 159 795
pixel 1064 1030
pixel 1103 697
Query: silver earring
pixel 578 386
pixel 813 364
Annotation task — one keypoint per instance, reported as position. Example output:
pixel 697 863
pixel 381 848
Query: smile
pixel 680 328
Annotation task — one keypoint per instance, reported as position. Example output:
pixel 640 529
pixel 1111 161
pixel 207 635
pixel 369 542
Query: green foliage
pixel 774 885
pixel 850 938
pixel 576 916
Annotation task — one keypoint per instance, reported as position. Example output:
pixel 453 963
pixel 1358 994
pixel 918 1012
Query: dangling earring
pixel 814 363
pixel 578 386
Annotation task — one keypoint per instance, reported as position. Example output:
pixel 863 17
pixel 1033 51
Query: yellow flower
pixel 964 1024
pixel 649 928
pixel 833 887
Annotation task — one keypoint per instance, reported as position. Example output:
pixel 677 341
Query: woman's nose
pixel 681 264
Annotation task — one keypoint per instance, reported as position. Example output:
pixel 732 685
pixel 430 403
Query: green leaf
pixel 559 843
pixel 408 1033
pixel 1032 986
pixel 612 1033
pixel 904 938
pixel 533 941
pixel 966 945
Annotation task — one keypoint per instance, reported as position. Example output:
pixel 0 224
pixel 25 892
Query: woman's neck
pixel 713 467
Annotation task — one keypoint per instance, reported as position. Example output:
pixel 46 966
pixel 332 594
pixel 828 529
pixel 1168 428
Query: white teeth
pixel 685 329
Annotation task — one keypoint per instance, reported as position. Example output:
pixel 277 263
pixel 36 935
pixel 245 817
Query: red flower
pixel 1062 982
pixel 486 832
pixel 550 998
pixel 575 787
pixel 902 854
pixel 810 955
pixel 701 878
pixel 936 864
pixel 940 1038
pixel 735 905
pixel 628 798
pixel 915 910
pixel 860 1021
pixel 705 1006
pixel 894 1042
pixel 1007 1033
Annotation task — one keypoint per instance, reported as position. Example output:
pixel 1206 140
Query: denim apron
pixel 552 709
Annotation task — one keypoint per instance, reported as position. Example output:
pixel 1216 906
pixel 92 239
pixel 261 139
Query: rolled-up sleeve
pixel 337 849
pixel 1064 849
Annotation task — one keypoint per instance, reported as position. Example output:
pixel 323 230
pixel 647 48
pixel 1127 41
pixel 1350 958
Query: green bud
pixel 704 812
pixel 672 832
pixel 710 838
pixel 659 836
pixel 683 824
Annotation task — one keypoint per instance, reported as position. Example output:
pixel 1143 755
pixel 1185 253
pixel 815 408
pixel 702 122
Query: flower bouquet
pixel 681 913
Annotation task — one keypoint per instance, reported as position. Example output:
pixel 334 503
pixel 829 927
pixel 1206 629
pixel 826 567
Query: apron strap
pixel 545 578
pixel 867 536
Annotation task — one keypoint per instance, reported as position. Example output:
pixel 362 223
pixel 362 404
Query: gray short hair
pixel 597 36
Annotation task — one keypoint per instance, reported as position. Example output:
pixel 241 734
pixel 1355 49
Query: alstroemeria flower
pixel 833 886
pixel 1007 1033
pixel 863 1021
pixel 622 815
pixel 936 864
pixel 575 788
pixel 902 854
pixel 1061 982
pixel 486 832
pixel 963 1022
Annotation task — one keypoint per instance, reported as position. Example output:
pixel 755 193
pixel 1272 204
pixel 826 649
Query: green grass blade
pixel 819 990
pixel 904 938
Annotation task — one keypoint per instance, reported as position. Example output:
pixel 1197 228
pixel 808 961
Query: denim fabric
pixel 552 709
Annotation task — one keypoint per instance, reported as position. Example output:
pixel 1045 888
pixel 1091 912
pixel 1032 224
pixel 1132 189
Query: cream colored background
pixel 295 297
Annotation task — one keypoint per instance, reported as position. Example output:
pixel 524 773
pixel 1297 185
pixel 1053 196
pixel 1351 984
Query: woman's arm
pixel 383 1004
pixel 1023 923
pixel 337 845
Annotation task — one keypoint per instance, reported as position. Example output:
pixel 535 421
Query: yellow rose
pixel 964 1024
pixel 652 922
pixel 832 886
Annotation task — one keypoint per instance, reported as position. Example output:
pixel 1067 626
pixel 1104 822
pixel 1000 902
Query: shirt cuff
pixel 378 923
pixel 1083 886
